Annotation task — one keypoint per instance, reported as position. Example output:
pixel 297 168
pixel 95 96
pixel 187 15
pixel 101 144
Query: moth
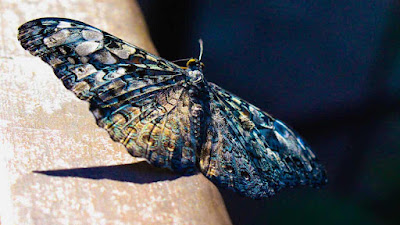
pixel 171 115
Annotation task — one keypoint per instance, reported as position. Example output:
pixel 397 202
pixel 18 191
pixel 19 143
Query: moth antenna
pixel 180 60
pixel 201 49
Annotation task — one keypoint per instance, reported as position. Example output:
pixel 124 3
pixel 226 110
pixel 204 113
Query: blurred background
pixel 330 69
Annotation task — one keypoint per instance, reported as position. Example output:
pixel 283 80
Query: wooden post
pixel 44 127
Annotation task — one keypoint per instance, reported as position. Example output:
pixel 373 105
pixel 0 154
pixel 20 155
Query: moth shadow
pixel 140 172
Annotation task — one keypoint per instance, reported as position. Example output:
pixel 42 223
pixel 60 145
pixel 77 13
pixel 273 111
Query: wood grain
pixel 56 165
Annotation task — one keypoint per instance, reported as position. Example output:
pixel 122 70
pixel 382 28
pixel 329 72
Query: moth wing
pixel 252 153
pixel 139 98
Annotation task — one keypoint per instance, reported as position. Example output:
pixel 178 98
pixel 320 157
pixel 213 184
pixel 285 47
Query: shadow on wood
pixel 140 172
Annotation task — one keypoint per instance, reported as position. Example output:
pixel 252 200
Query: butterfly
pixel 171 115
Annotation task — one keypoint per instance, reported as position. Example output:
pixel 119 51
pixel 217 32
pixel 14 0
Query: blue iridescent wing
pixel 252 153
pixel 139 98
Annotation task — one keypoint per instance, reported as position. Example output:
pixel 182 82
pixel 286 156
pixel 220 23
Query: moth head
pixel 194 64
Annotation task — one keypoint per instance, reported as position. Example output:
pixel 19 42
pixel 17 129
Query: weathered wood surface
pixel 44 127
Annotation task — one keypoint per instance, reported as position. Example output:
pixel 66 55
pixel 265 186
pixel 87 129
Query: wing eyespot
pixel 245 175
pixel 229 168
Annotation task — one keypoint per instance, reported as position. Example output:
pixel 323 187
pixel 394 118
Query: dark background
pixel 331 69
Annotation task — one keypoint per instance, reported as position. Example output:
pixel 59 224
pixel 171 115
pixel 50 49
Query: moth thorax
pixel 196 110
pixel 195 76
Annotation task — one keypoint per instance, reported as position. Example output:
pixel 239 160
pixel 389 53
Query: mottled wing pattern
pixel 252 153
pixel 137 97
pixel 171 116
